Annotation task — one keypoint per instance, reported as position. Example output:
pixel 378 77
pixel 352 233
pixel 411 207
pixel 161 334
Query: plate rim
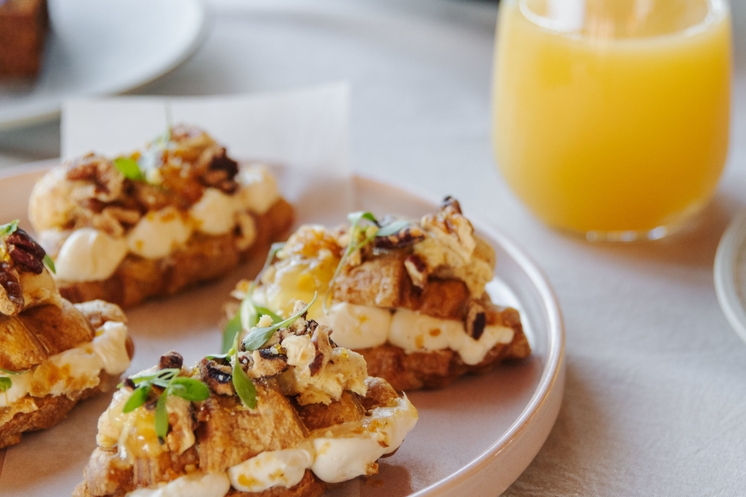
pixel 724 271
pixel 53 110
pixel 550 388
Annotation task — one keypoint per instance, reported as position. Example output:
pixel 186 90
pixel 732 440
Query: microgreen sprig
pixel 10 228
pixel 243 385
pixel 50 264
pixel 5 382
pixel 259 336
pixel 172 384
pixel 129 168
pixel 248 311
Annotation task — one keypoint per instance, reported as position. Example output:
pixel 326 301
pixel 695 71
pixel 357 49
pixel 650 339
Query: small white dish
pixel 104 47
pixel 730 273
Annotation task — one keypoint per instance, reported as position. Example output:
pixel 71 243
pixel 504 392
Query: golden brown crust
pixel 33 336
pixel 347 408
pixel 235 434
pixel 204 258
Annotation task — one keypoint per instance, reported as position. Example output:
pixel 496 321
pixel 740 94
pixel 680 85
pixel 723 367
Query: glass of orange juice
pixel 611 117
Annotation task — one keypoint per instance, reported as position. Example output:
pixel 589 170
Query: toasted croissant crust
pixel 30 338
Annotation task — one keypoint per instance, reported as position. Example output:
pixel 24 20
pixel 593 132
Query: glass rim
pixel 716 11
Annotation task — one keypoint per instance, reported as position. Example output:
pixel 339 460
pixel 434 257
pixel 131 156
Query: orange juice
pixel 611 117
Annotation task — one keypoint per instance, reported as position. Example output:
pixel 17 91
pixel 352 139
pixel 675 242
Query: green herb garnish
pixel 161 417
pixel 50 264
pixel 129 168
pixel 172 384
pixel 242 383
pixel 259 336
pixel 248 313
pixel 10 228
pixel 5 383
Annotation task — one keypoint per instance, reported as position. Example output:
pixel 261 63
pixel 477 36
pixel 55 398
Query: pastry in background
pixel 23 29
pixel 281 414
pixel 52 353
pixel 174 214
pixel 407 295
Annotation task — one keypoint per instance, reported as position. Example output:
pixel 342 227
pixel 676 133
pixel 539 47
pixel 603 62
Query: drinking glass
pixel 611 117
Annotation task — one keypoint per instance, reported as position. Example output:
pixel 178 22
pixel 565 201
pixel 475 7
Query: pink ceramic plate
pixel 473 438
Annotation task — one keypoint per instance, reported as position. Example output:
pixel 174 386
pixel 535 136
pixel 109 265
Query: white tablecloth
pixel 655 401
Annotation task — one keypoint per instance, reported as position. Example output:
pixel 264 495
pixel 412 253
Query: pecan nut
pixel 25 252
pixel 476 321
pixel 12 302
pixel 171 360
pixel 217 375
pixel 417 270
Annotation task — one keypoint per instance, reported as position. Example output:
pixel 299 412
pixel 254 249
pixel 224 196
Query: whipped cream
pixel 352 449
pixel 215 212
pixel 194 485
pixel 359 327
pixel 89 255
pixel 272 468
pixel 158 233
pixel 258 188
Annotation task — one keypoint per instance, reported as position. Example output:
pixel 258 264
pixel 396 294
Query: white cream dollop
pixel 215 212
pixel 416 332
pixel 346 451
pixel 357 326
pixel 193 485
pixel 283 468
pixel 258 188
pixel 158 233
pixel 89 255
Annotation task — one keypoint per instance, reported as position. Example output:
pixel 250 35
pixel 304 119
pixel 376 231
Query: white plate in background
pixel 730 273
pixel 474 437
pixel 104 47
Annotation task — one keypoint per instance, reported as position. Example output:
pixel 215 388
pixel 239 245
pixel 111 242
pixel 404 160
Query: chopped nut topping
pixel 11 296
pixel 107 182
pixel 476 321
pixel 407 236
pixel 217 375
pixel 417 270
pixel 171 360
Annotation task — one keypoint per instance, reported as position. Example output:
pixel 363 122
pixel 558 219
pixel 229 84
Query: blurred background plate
pixel 730 273
pixel 101 47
